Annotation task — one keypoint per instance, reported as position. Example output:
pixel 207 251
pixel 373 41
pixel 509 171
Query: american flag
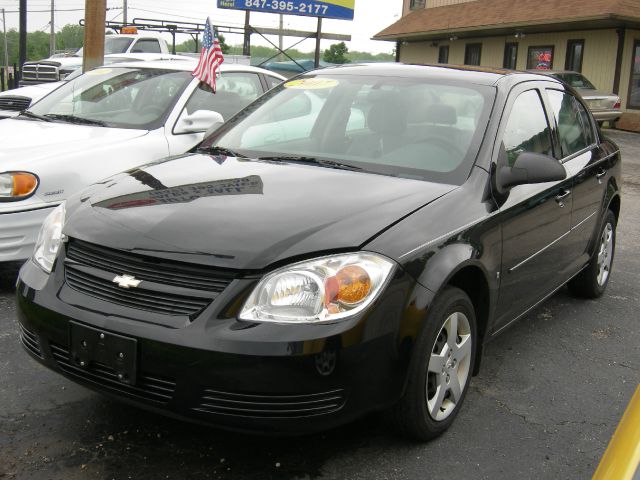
pixel 210 57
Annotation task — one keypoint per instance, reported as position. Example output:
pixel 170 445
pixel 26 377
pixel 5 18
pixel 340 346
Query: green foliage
pixel 70 38
pixel 337 53
pixel 190 46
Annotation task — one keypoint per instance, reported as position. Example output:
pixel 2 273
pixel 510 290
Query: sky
pixel 371 16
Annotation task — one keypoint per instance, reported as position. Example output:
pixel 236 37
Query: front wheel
pixel 440 368
pixel 593 280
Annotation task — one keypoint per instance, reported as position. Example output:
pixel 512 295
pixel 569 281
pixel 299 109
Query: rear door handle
pixel 601 173
pixel 560 198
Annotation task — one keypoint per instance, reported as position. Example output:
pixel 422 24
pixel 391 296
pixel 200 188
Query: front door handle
pixel 562 196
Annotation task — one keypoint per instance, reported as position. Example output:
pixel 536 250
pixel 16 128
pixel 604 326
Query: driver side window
pixel 234 92
pixel 527 129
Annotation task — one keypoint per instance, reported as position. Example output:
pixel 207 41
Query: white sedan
pixel 106 121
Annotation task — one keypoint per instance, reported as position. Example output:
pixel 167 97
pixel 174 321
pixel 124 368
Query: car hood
pixel 37 146
pixel 240 213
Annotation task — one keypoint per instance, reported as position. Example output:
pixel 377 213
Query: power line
pixel 59 10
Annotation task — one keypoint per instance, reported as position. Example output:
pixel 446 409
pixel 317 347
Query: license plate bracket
pixel 92 348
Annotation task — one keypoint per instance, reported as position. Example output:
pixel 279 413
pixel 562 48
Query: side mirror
pixel 198 122
pixel 531 168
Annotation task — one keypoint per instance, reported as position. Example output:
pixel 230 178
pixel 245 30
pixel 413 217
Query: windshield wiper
pixel 215 150
pixel 74 119
pixel 318 161
pixel 30 114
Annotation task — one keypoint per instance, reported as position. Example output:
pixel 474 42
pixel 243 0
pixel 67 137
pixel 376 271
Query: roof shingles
pixel 481 14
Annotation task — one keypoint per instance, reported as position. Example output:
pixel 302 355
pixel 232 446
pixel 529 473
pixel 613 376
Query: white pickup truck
pixel 57 67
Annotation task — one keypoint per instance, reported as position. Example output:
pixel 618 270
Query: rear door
pixel 584 162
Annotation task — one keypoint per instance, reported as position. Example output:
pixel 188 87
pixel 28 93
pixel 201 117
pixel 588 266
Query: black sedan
pixel 347 243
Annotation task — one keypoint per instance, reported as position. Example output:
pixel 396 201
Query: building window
pixel 634 81
pixel 472 52
pixel 510 56
pixel 443 54
pixel 415 4
pixel 575 51
pixel 540 58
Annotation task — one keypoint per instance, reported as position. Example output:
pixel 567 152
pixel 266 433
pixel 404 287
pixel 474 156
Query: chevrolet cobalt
pixel 347 243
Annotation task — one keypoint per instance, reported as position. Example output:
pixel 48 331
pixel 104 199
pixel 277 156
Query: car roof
pixel 471 74
pixel 187 64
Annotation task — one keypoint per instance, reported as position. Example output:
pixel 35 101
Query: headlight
pixel 17 185
pixel 50 239
pixel 322 290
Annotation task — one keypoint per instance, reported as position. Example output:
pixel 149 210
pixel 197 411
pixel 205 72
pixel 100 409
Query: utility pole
pixel 318 38
pixel 246 44
pixel 280 38
pixel 6 49
pixel 22 42
pixel 52 35
pixel 95 17
pixel 124 11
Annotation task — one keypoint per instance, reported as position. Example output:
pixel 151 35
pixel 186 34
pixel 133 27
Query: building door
pixel 634 82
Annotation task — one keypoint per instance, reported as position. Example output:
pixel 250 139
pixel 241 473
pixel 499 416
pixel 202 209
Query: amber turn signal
pixel 23 184
pixel 349 286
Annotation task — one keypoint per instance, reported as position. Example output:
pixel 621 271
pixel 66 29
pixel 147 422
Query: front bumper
pixel 19 233
pixel 219 371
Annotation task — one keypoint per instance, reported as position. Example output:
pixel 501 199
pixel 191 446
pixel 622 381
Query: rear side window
pixel 574 128
pixel 146 46
pixel 527 129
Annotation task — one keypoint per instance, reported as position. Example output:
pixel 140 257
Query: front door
pixel 536 219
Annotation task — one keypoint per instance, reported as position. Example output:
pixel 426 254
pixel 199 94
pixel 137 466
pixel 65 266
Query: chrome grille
pixel 30 341
pixel 270 406
pixel 40 72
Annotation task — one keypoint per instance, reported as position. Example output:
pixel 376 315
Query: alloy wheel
pixel 605 254
pixel 449 365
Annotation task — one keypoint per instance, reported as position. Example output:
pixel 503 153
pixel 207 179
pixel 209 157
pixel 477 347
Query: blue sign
pixel 340 9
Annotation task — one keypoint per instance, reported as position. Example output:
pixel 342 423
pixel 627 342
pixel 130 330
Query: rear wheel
pixel 593 280
pixel 440 369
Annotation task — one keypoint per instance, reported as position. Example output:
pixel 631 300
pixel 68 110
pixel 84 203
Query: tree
pixel 190 46
pixel 337 53
pixel 71 37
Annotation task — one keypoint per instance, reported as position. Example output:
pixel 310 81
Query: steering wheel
pixel 151 109
pixel 444 144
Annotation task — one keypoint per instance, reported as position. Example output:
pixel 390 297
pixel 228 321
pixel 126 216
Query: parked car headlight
pixel 318 291
pixel 49 239
pixel 17 185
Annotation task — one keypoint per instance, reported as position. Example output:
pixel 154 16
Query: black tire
pixel 588 284
pixel 411 415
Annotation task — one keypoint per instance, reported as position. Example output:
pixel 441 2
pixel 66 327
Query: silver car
pixel 604 106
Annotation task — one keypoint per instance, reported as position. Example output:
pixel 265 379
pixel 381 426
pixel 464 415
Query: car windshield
pixel 406 127
pixel 113 45
pixel 121 97
pixel 575 80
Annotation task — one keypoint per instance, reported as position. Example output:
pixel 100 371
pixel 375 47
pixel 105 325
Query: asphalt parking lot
pixel 547 400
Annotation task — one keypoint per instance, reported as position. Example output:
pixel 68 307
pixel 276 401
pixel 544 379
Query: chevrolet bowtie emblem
pixel 126 281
